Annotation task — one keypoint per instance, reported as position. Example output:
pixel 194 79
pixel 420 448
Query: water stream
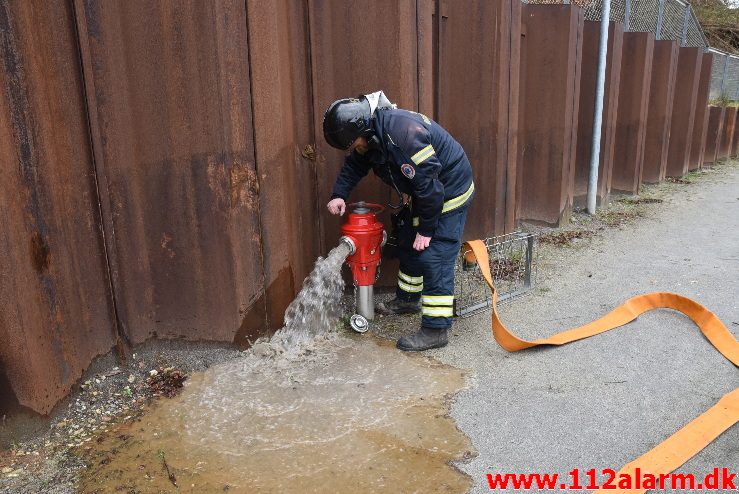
pixel 316 309
pixel 312 410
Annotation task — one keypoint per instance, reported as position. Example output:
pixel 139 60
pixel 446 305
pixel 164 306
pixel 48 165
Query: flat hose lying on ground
pixel 691 439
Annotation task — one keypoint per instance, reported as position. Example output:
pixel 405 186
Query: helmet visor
pixel 338 139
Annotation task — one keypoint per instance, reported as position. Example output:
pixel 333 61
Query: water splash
pixel 351 415
pixel 316 309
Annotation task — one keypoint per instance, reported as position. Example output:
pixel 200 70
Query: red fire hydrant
pixel 366 236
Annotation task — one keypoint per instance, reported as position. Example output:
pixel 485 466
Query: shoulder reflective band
pixel 691 439
pixel 423 154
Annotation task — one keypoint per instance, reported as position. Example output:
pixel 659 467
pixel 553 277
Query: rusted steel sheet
pixel 56 312
pixel 633 102
pixel 700 128
pixel 659 114
pixel 713 133
pixel 284 141
pixel 480 40
pixel 348 59
pixel 727 134
pixel 683 111
pixel 427 46
pixel 551 54
pixel 170 116
pixel 735 142
pixel 591 42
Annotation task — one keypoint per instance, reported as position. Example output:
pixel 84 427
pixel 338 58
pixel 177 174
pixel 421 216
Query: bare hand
pixel 337 206
pixel 421 242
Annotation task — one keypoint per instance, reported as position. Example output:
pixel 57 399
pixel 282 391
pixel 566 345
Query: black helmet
pixel 345 120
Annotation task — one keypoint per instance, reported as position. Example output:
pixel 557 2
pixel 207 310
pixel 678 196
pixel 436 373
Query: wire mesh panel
pixel 673 21
pixel 717 74
pixel 731 85
pixel 594 10
pixel 512 265
pixel 643 16
pixel 695 36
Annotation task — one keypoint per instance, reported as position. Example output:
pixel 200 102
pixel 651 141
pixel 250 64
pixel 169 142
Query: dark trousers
pixel 429 275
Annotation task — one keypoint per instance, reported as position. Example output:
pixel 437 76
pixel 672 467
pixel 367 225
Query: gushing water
pixel 317 308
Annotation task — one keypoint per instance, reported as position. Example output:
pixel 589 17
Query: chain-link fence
pixel 669 20
pixel 724 77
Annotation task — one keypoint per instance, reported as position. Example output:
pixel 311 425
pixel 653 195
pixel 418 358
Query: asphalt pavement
pixel 604 401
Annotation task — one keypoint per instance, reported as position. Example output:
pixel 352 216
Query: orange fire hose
pixel 691 439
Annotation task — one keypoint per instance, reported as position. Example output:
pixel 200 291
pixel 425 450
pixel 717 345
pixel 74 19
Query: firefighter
pixel 418 158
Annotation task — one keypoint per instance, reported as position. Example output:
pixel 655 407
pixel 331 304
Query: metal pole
pixel 627 15
pixel 660 18
pixel 598 120
pixel 685 25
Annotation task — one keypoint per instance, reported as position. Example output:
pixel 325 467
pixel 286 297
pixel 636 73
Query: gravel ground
pixel 39 454
pixel 596 403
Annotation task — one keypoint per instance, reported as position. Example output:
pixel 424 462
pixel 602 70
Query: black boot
pixel 397 306
pixel 424 339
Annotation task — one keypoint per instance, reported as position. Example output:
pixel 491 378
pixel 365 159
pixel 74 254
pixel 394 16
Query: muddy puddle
pixel 351 414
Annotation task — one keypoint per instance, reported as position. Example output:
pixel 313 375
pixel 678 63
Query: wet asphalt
pixel 604 401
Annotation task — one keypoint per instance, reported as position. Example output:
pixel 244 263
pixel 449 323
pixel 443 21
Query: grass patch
pixel 690 178
pixel 565 237
pixel 618 217
pixel 635 201
pixel 679 180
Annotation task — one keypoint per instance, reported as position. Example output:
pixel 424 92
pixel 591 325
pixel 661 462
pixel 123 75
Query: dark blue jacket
pixel 420 158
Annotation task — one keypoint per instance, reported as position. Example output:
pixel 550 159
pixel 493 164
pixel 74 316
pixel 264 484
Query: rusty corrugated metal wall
pixel 698 147
pixel 481 40
pixel 713 134
pixel 683 111
pixel 727 134
pixel 551 59
pixel 659 115
pixel 56 313
pixel 284 141
pixel 168 89
pixel 633 103
pixel 164 168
